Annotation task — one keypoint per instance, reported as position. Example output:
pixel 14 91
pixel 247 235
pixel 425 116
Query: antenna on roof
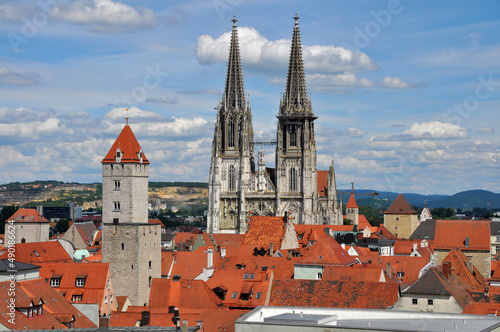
pixel 189 276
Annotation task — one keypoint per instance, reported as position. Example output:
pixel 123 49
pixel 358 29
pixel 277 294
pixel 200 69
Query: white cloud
pixel 486 130
pixel 436 130
pixel 9 77
pixel 396 83
pixel 105 15
pixel 261 54
pixel 356 132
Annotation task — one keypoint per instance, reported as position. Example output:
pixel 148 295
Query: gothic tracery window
pixel 231 178
pixel 230 133
pixel 293 179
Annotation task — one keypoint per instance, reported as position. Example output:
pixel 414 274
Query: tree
pixel 62 226
pixel 5 213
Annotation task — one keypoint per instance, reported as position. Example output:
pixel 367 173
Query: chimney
pixel 210 258
pixel 415 245
pixel 447 269
pixel 466 242
pixel 388 268
pixel 145 318
pixel 271 251
pixel 184 325
pixel 289 255
pixel 177 319
pixel 171 309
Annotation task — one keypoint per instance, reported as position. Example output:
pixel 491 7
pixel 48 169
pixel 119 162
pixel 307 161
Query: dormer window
pixel 55 281
pixel 80 280
pixel 30 312
pixel 76 298
pixel 118 155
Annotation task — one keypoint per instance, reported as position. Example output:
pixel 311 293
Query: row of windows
pixel 56 282
pixel 35 309
pixel 429 301
pixel 245 296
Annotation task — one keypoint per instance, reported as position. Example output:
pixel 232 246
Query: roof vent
pixel 466 242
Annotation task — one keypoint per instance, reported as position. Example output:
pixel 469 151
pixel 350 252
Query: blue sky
pixel 406 93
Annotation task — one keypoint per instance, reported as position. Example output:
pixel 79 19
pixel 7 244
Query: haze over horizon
pixel 406 93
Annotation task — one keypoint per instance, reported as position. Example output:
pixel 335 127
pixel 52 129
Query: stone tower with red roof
pixel 131 244
pixel 352 210
pixel 400 218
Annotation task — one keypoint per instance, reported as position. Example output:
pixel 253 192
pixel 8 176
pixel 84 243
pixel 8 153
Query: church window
pixel 117 206
pixel 292 132
pixel 293 179
pixel 117 185
pixel 232 178
pixel 230 133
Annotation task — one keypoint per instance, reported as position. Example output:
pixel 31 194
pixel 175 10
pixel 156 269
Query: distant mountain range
pixel 21 193
pixel 463 200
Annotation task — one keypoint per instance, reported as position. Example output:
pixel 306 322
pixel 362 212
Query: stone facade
pixel 481 259
pixel 134 253
pixel 429 303
pixel 238 186
pixel 30 232
pixel 401 225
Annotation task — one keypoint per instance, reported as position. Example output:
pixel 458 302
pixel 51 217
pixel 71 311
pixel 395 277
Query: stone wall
pixel 401 225
pixel 481 259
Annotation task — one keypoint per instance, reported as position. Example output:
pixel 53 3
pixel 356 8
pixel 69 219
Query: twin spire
pixel 295 98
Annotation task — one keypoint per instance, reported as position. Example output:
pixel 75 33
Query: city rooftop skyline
pixel 406 93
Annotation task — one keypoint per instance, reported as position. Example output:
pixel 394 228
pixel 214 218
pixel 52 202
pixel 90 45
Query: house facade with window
pixel 83 284
pixel 239 184
pixel 27 226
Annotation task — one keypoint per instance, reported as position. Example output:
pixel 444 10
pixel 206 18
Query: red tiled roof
pixel 314 232
pixel 332 293
pixel 400 206
pixel 55 307
pixel 95 279
pixel 365 273
pixel 326 251
pixel 264 230
pixel 351 204
pixel 129 147
pixel 454 234
pixel 182 294
pixel 475 308
pixel 27 215
pixel 40 252
pixel 322 183
pixel 458 261
pixel 410 266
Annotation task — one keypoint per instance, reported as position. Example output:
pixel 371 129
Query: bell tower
pixel 296 173
pixel 232 164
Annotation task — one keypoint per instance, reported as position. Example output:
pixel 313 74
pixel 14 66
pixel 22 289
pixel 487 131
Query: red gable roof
pixel 40 252
pixel 351 204
pixel 27 215
pixel 182 294
pixel 129 147
pixel 95 275
pixel 326 251
pixel 462 234
pixel 400 206
pixel 56 309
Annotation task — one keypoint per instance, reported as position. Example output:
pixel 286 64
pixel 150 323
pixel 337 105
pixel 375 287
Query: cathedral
pixel 240 186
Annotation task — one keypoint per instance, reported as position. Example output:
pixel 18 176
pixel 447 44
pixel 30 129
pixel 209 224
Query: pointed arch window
pixel 292 132
pixel 293 179
pixel 231 178
pixel 231 130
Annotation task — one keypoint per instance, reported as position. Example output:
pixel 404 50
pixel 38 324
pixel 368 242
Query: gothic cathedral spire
pixel 295 99
pixel 234 92
pixel 232 164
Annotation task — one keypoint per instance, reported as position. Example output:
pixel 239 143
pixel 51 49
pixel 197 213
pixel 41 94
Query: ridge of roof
pixel 400 206
pixel 27 215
